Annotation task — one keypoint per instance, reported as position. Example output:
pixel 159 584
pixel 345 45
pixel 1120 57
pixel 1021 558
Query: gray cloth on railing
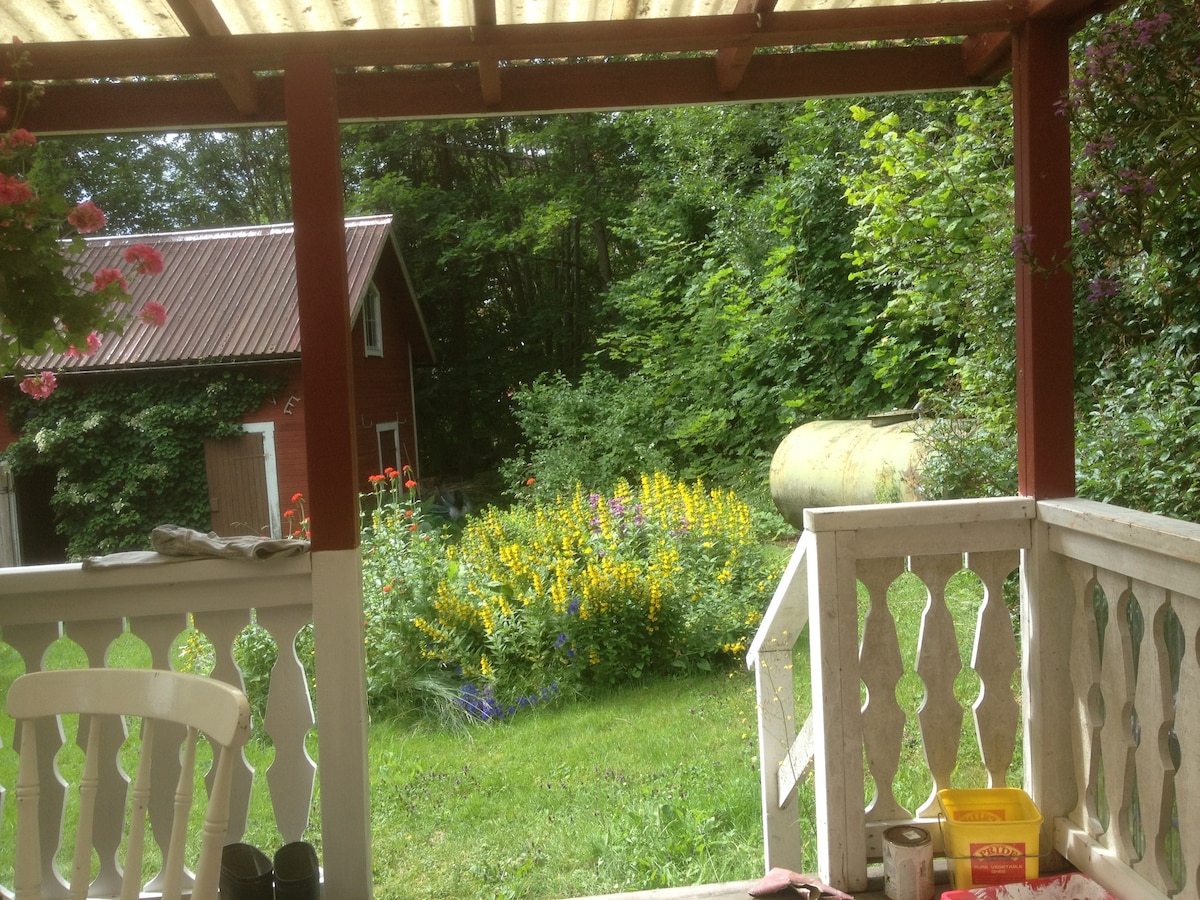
pixel 174 543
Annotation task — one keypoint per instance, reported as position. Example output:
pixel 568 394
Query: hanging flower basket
pixel 48 302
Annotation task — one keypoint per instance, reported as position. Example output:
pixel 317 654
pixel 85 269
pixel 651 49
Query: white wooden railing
pixel 1108 725
pixel 156 603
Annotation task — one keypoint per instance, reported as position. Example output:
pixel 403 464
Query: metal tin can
pixel 907 863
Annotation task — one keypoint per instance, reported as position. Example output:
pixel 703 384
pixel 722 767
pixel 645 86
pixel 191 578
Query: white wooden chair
pixel 198 704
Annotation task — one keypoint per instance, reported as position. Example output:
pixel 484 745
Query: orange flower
pixel 410 484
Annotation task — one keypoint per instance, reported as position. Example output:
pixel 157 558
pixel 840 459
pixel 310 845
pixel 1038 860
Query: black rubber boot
pixel 246 874
pixel 297 872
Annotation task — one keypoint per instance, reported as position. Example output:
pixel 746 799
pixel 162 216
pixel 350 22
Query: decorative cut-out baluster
pixel 1116 737
pixel 289 717
pixel 222 629
pixel 1085 676
pixel 1187 729
pixel 32 642
pixel 995 660
pixel 1155 769
pixel 882 667
pixel 159 633
pixel 938 664
pixel 95 637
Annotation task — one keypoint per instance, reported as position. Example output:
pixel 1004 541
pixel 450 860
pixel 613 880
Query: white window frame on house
pixel 372 322
pixel 267 430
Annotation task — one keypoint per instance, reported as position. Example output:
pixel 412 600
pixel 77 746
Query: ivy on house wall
pixel 128 449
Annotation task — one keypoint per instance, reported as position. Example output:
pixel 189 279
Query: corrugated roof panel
pixel 229 293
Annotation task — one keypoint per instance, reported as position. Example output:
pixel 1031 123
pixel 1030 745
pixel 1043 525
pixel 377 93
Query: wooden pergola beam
pixel 204 55
pixel 201 17
pixel 489 66
pixel 732 61
pixel 528 89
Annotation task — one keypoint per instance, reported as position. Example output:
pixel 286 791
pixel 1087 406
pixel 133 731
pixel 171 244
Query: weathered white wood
pixel 781 750
pixel 787 613
pixel 95 637
pixel 799 762
pixel 833 634
pixel 1187 730
pixel 342 737
pixel 1156 718
pixel 66 592
pixel 1143 534
pixel 938 664
pixel 288 719
pixel 1085 676
pixel 931 540
pixel 1116 736
pixel 882 668
pixel 917 515
pixel 995 659
pixel 222 630
pixel 1048 610
pixel 774 681
pixel 155 601
pixel 1102 865
pixel 221 712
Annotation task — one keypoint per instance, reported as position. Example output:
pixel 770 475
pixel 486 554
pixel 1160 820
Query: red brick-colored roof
pixel 230 295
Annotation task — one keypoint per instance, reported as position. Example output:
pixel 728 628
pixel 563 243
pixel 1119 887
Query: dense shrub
pixel 558 596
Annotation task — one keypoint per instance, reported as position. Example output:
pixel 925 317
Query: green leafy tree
pixel 938 233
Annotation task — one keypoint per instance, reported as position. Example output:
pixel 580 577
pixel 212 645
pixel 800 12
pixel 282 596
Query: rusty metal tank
pixel 846 462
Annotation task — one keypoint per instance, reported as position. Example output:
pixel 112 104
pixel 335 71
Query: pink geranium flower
pixel 105 277
pixel 145 259
pixel 93 344
pixel 154 313
pixel 39 387
pixel 87 217
pixel 13 190
pixel 20 137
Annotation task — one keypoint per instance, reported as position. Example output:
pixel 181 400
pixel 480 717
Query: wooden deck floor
pixel 734 890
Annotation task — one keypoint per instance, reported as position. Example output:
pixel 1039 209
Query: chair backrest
pixel 164 701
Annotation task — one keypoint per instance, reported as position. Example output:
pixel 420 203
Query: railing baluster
pixel 1155 770
pixel 1187 731
pixel 938 664
pixel 1085 675
pixel 995 660
pixel 95 637
pixel 221 629
pixel 1116 734
pixel 883 719
pixel 288 720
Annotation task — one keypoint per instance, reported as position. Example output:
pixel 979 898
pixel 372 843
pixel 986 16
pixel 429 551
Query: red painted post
pixel 1045 339
pixel 319 214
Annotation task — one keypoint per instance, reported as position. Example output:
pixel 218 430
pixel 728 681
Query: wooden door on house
pixel 237 485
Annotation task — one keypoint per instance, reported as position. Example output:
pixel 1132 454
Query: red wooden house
pixel 231 300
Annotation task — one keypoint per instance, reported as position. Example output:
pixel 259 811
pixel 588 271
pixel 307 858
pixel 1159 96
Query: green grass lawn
pixel 648 787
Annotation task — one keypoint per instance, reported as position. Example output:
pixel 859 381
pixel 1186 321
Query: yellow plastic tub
pixel 991 835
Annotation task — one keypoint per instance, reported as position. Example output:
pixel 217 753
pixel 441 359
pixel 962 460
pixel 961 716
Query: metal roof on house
pixel 230 294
